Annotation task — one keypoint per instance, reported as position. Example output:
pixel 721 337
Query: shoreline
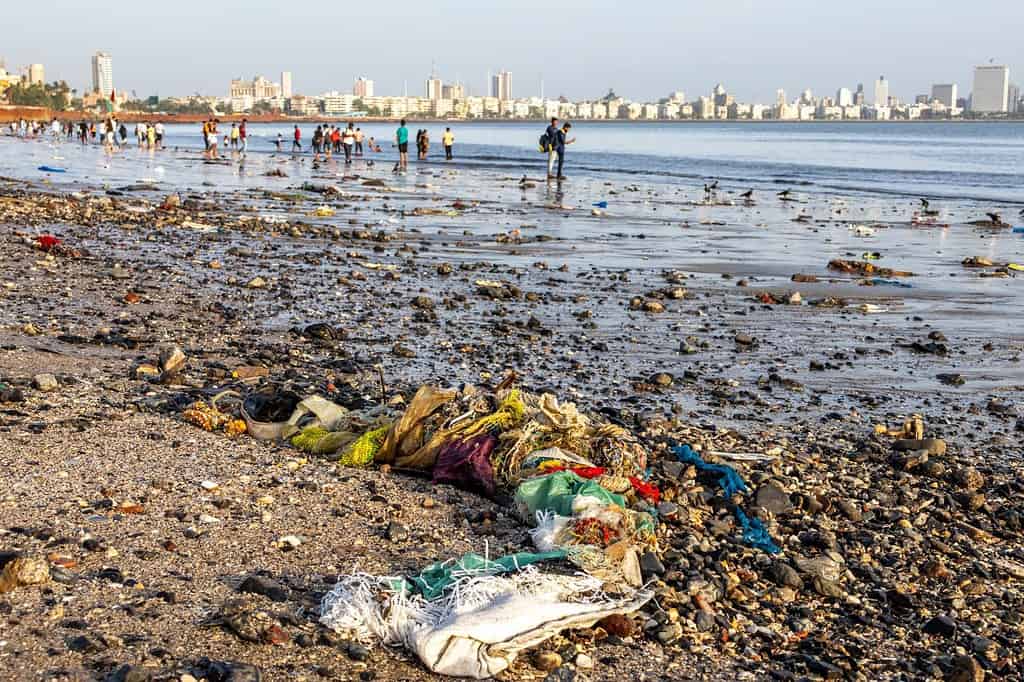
pixel 899 557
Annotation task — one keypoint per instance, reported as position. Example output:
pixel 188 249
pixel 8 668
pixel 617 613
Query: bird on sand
pixel 995 218
pixel 784 194
pixel 749 194
pixel 924 204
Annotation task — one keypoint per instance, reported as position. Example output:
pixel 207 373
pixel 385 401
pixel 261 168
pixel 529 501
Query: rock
pixel 653 307
pixel 172 359
pixel 546 660
pixel 742 339
pixel 704 620
pixel 969 478
pixel 396 532
pixel 257 584
pixel 45 382
pixel 773 497
pixel 119 272
pixel 670 633
pixel 130 673
pixel 227 671
pixel 423 303
pixel 288 542
pixel 661 379
pixel 584 662
pixel 256 283
pixel 619 625
pixel 23 571
pixel 942 626
pixel 966 669
pixel 650 565
pixel 828 588
pixel 428 503
pixel 933 446
pixel 356 651
pixel 784 575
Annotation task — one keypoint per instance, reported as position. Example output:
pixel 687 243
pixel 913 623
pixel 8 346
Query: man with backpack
pixel 561 140
pixel 547 144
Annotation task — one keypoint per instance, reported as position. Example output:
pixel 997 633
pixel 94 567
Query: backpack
pixel 544 143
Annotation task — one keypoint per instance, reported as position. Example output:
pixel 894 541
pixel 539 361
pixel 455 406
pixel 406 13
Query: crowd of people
pixel 327 139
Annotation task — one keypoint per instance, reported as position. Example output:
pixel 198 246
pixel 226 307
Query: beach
pixel 790 326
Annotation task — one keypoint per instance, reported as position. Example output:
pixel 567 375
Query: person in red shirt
pixel 243 136
pixel 297 141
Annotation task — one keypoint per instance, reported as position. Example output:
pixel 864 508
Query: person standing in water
pixel 561 141
pixel 297 139
pixel 243 135
pixel 402 140
pixel 448 139
pixel 551 134
pixel 348 140
pixel 359 142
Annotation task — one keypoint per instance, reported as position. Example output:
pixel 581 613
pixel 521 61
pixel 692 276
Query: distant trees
pixel 55 95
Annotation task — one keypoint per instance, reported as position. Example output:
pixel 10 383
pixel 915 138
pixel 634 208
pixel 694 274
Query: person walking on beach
pixel 158 131
pixel 348 141
pixel 551 136
pixel 402 140
pixel 562 140
pixel 234 136
pixel 140 134
pixel 359 142
pixel 336 139
pixel 297 139
pixel 243 135
pixel 318 141
pixel 151 135
pixel 279 142
pixel 424 144
pixel 448 139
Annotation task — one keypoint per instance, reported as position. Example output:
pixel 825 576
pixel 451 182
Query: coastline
pixel 677 323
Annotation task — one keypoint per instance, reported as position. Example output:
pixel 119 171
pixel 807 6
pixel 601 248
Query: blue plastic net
pixel 731 483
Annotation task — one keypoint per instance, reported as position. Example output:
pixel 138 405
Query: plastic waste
pixel 52 169
pixel 600 204
pixel 879 281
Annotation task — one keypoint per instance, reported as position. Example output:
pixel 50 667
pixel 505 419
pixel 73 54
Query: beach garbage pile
pixel 586 487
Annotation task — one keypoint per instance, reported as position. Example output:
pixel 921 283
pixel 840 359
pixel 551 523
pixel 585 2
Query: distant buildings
pixel 881 92
pixel 844 97
pixel 501 86
pixel 991 89
pixel 286 84
pixel 433 88
pixel 944 93
pixel 36 74
pixel 102 73
pixel 363 87
pixel 244 94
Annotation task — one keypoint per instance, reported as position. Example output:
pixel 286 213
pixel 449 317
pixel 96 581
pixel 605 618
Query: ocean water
pixel 975 162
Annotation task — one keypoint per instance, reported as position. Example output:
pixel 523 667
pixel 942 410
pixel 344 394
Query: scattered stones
pixel 45 382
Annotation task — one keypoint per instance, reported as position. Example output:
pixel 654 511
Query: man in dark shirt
pixel 552 135
pixel 561 140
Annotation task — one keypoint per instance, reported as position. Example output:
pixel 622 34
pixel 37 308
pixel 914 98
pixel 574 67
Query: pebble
pixel 45 382
pixel 546 660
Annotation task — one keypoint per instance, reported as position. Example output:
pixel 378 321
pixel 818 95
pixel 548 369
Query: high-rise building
pixel 944 93
pixel 36 74
pixel 844 97
pixel 286 84
pixel 102 73
pixel 1013 99
pixel 881 92
pixel 453 91
pixel 434 88
pixel 363 87
pixel 991 89
pixel 859 97
pixel 501 86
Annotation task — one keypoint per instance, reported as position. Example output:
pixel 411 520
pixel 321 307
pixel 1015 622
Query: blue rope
pixel 731 483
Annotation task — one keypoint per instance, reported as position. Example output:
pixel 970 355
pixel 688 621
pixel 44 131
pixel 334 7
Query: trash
pixel 878 281
pixel 46 242
pixel 861 268
pixel 600 204
pixel 479 615
pixel 51 169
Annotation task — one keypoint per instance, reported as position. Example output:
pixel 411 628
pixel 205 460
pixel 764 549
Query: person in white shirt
pixel 159 130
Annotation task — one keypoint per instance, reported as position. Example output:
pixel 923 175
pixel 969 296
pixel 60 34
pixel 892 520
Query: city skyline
pixel 791 45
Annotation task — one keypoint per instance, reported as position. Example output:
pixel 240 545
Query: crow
pixel 714 185
pixel 924 204
pixel 749 194
pixel 996 218
pixel 784 194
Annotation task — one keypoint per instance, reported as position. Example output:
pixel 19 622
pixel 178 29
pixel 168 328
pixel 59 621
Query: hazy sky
pixel 643 49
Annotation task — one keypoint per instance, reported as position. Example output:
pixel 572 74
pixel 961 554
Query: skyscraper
pixel 1013 99
pixel 501 86
pixel 434 88
pixel 844 97
pixel 363 87
pixel 286 84
pixel 36 74
pixel 991 89
pixel 102 73
pixel 945 93
pixel 881 92
pixel 858 97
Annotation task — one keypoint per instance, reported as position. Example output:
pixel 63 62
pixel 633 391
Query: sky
pixel 643 49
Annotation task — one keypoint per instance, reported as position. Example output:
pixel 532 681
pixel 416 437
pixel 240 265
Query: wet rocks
pixel 941 626
pixel 784 575
pixel 933 446
pixel 969 479
pixel 396 532
pixel 257 584
pixel 172 359
pixel 773 498
pixel 45 382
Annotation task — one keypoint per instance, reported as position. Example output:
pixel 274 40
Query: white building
pixel 881 92
pixel 286 84
pixel 434 88
pixel 36 74
pixel 363 87
pixel 102 73
pixel 944 93
pixel 501 86
pixel 991 89
pixel 844 97
pixel 521 109
pixel 337 103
